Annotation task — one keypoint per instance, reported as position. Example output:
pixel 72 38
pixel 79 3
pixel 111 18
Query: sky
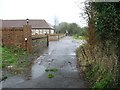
pixel 61 10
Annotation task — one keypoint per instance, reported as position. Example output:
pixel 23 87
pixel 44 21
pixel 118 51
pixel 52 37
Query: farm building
pixel 39 26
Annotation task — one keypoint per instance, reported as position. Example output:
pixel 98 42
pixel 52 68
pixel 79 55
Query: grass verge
pixel 98 66
pixel 78 37
pixel 14 60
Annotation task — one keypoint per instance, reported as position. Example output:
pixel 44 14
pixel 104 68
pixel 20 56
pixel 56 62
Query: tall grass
pixel 14 59
pixel 79 37
pixel 98 65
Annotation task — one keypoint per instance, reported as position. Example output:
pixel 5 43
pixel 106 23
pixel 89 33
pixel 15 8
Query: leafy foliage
pixel 62 27
pixel 50 76
pixel 107 20
pixel 98 66
pixel 72 29
pixel 103 57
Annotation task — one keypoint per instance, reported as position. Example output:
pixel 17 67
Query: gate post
pixel 27 37
pixel 47 40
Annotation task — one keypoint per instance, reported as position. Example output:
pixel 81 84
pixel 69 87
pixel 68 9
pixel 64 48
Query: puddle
pixel 73 53
pixel 39 59
pixel 12 80
pixel 61 55
pixel 37 70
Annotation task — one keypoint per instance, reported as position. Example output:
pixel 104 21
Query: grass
pixel 78 37
pixel 52 70
pixel 14 60
pixel 101 71
pixel 98 78
pixel 50 76
pixel 104 81
pixel 11 55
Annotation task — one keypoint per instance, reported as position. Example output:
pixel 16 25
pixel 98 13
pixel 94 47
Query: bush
pixel 99 67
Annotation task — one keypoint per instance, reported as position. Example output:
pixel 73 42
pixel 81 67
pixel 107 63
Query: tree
pixel 107 23
pixel 72 28
pixel 62 27
pixel 91 33
pixel 55 23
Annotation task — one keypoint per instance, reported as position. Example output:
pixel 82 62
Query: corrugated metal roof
pixel 35 23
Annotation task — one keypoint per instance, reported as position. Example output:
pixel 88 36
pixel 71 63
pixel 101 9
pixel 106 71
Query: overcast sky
pixel 63 10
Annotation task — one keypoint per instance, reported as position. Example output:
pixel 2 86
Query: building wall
pixel 52 32
pixel 22 37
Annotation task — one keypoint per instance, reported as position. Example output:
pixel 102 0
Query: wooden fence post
pixel 47 40
pixel 58 37
pixel 27 37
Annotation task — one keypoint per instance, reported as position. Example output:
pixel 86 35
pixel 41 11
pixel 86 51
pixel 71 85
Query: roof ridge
pixel 46 23
pixel 19 19
pixel 41 23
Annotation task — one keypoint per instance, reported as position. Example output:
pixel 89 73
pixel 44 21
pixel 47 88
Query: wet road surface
pixel 61 56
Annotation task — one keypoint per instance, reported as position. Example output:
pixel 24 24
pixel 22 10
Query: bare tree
pixel 56 22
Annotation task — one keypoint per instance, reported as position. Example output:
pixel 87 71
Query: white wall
pixel 52 31
pixel 41 31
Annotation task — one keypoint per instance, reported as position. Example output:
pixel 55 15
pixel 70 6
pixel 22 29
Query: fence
pixel 39 42
pixel 22 37
pixel 42 41
pixel 54 37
